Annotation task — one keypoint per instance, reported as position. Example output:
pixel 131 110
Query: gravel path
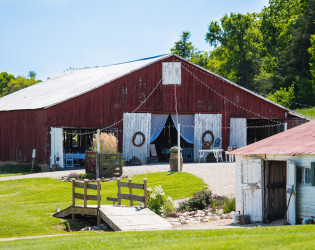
pixel 220 177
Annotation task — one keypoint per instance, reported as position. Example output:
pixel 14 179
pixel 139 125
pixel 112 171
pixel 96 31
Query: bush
pixel 157 201
pixel 200 200
pixel 19 168
pixel 228 205
pixel 85 176
pixel 73 175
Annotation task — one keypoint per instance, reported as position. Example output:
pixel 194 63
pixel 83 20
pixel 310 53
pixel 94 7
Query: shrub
pixel 228 205
pixel 73 175
pixel 200 200
pixel 85 176
pixel 19 168
pixel 157 201
pixel 168 206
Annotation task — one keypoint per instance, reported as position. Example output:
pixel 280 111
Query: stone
pixel 229 216
pixel 172 214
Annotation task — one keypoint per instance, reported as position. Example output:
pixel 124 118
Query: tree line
pixel 9 83
pixel 271 52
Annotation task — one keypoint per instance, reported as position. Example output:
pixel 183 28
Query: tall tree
pixel 5 78
pixel 183 47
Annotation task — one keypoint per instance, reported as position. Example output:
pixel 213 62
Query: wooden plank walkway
pixel 121 218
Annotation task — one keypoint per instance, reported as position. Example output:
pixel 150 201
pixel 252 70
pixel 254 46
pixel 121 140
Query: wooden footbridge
pixel 118 217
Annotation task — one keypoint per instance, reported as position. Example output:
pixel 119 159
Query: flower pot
pixel 135 162
pixel 174 162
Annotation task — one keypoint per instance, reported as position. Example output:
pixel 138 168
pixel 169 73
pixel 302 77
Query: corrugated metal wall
pixel 20 131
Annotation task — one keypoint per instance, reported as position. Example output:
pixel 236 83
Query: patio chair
pixel 216 145
pixel 154 157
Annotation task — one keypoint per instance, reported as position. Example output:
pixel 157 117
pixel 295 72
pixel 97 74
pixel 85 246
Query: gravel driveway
pixel 220 177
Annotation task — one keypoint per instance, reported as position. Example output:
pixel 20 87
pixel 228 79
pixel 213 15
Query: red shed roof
pixel 298 140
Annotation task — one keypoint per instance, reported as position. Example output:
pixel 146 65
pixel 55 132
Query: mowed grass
pixel 27 205
pixel 310 112
pixel 285 237
pixel 5 174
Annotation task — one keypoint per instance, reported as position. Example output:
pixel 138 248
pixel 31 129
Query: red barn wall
pixel 105 105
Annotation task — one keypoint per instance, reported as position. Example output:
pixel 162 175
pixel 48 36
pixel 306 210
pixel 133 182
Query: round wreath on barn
pixel 134 139
pixel 207 144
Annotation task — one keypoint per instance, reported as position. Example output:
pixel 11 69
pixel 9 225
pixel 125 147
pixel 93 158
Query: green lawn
pixel 310 112
pixel 5 174
pixel 27 205
pixel 285 237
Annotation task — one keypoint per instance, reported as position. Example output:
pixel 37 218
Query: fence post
pixel 130 191
pixel 97 167
pixel 85 192
pixel 73 196
pixel 98 200
pixel 119 200
pixel 145 192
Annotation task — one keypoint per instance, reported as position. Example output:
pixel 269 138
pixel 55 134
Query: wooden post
pixel 130 191
pixel 85 192
pixel 119 200
pixel 98 200
pixel 285 126
pixel 178 149
pixel 145 192
pixel 97 167
pixel 73 196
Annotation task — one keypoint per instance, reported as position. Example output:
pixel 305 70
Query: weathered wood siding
pixel 136 122
pixel 238 132
pixel 204 122
pixel 305 202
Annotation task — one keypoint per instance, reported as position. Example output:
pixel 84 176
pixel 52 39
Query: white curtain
pixel 157 124
pixel 186 127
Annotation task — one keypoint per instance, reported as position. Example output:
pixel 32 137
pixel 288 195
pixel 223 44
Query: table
pixel 231 156
pixel 70 158
pixel 204 152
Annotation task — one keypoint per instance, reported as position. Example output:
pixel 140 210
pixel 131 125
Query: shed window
pixel 299 175
pixel 307 176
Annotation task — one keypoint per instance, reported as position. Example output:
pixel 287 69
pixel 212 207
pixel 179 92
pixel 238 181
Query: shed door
pixel 238 132
pixel 291 184
pixel 204 122
pixel 251 188
pixel 133 123
pixel 56 154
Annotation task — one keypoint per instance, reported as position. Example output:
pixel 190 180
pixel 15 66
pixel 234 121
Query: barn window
pixel 171 73
pixel 304 176
pixel 299 175
pixel 307 174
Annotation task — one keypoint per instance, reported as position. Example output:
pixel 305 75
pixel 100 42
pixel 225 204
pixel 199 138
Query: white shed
pixel 267 171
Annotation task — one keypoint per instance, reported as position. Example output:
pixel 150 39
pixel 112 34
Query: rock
pixel 216 217
pixel 192 213
pixel 96 228
pixel 229 216
pixel 204 220
pixel 172 214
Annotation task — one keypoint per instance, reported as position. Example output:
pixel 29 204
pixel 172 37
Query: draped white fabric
pixel 157 124
pixel 187 133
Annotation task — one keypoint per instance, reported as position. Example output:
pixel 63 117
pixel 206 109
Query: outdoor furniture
pixel 166 152
pixel 73 160
pixel 154 157
pixel 204 152
pixel 188 154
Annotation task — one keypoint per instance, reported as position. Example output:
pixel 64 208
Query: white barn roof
pixel 69 85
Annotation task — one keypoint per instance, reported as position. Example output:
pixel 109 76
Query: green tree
pixel 5 78
pixel 237 41
pixel 183 47
pixel 283 96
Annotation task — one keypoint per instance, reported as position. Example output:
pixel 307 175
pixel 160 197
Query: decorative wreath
pixel 134 139
pixel 208 132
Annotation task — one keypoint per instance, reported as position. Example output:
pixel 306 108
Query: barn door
pixel 136 136
pixel 251 188
pixel 238 132
pixel 291 185
pixel 204 122
pixel 56 153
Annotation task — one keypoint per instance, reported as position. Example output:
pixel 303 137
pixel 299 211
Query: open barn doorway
pixel 275 175
pixel 258 129
pixel 167 139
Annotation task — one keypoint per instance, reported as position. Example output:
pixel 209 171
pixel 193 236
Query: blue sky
pixel 48 36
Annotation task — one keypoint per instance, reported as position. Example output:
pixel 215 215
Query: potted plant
pixel 174 159
pixel 135 161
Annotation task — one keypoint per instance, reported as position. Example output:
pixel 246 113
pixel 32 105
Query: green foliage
pixel 86 176
pixel 19 168
pixel 10 84
pixel 200 199
pixel 156 199
pixel 283 96
pixel 183 47
pixel 228 205
pixel 310 112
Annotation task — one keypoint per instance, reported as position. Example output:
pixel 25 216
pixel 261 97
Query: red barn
pixel 59 116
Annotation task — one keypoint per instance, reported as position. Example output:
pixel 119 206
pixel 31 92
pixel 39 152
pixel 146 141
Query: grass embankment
pixel 27 205
pixel 286 237
pixel 17 169
pixel 310 112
